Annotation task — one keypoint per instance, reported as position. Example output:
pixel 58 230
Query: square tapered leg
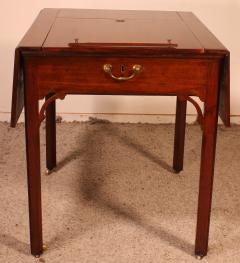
pixel 207 163
pixel 51 136
pixel 33 163
pixel 179 138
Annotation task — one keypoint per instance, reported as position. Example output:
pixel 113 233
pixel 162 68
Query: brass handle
pixel 136 70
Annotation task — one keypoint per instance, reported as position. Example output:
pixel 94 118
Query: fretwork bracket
pixel 42 113
pixel 200 116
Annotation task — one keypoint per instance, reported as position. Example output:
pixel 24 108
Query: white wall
pixel 221 16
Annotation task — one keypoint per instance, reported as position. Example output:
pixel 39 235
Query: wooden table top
pixel 121 33
pixel 162 30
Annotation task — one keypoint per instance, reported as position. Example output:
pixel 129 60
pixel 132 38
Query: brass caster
pixel 45 247
pixel 199 257
pixel 37 256
pixel 47 172
pixel 176 172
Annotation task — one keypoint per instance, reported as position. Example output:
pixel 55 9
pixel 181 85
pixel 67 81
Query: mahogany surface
pixel 64 52
pixel 158 76
pixel 179 138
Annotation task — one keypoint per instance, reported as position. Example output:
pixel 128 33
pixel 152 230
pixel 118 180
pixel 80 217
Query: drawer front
pixel 157 76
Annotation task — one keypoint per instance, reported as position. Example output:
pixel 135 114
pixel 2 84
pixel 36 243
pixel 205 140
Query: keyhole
pixel 122 69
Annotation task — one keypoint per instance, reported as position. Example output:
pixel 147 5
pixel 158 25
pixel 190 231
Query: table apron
pixel 158 76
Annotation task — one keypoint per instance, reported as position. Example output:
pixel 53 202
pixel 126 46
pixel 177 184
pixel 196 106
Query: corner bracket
pixel 200 116
pixel 42 113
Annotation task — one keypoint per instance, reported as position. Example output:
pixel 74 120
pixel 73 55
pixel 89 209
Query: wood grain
pixel 45 64
pixel 207 161
pixel 37 33
pixel 165 76
pixel 179 136
pixel 32 40
pixel 33 161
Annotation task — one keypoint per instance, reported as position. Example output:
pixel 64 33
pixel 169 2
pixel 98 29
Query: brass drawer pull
pixel 136 70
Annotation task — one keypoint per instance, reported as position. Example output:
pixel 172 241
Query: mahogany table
pixel 69 51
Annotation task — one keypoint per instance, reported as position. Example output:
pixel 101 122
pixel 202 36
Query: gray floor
pixel 114 198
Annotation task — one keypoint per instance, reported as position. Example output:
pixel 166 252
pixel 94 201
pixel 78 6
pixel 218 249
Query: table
pixel 70 51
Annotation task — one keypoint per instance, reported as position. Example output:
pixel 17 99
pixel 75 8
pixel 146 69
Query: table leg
pixel 51 135
pixel 179 138
pixel 33 164
pixel 207 167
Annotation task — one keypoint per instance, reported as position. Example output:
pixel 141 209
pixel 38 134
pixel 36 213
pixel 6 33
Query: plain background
pixel 221 16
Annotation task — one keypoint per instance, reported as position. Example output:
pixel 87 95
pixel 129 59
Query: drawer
pixel 138 76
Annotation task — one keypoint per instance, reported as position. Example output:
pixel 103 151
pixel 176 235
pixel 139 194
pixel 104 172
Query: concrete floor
pixel 114 197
